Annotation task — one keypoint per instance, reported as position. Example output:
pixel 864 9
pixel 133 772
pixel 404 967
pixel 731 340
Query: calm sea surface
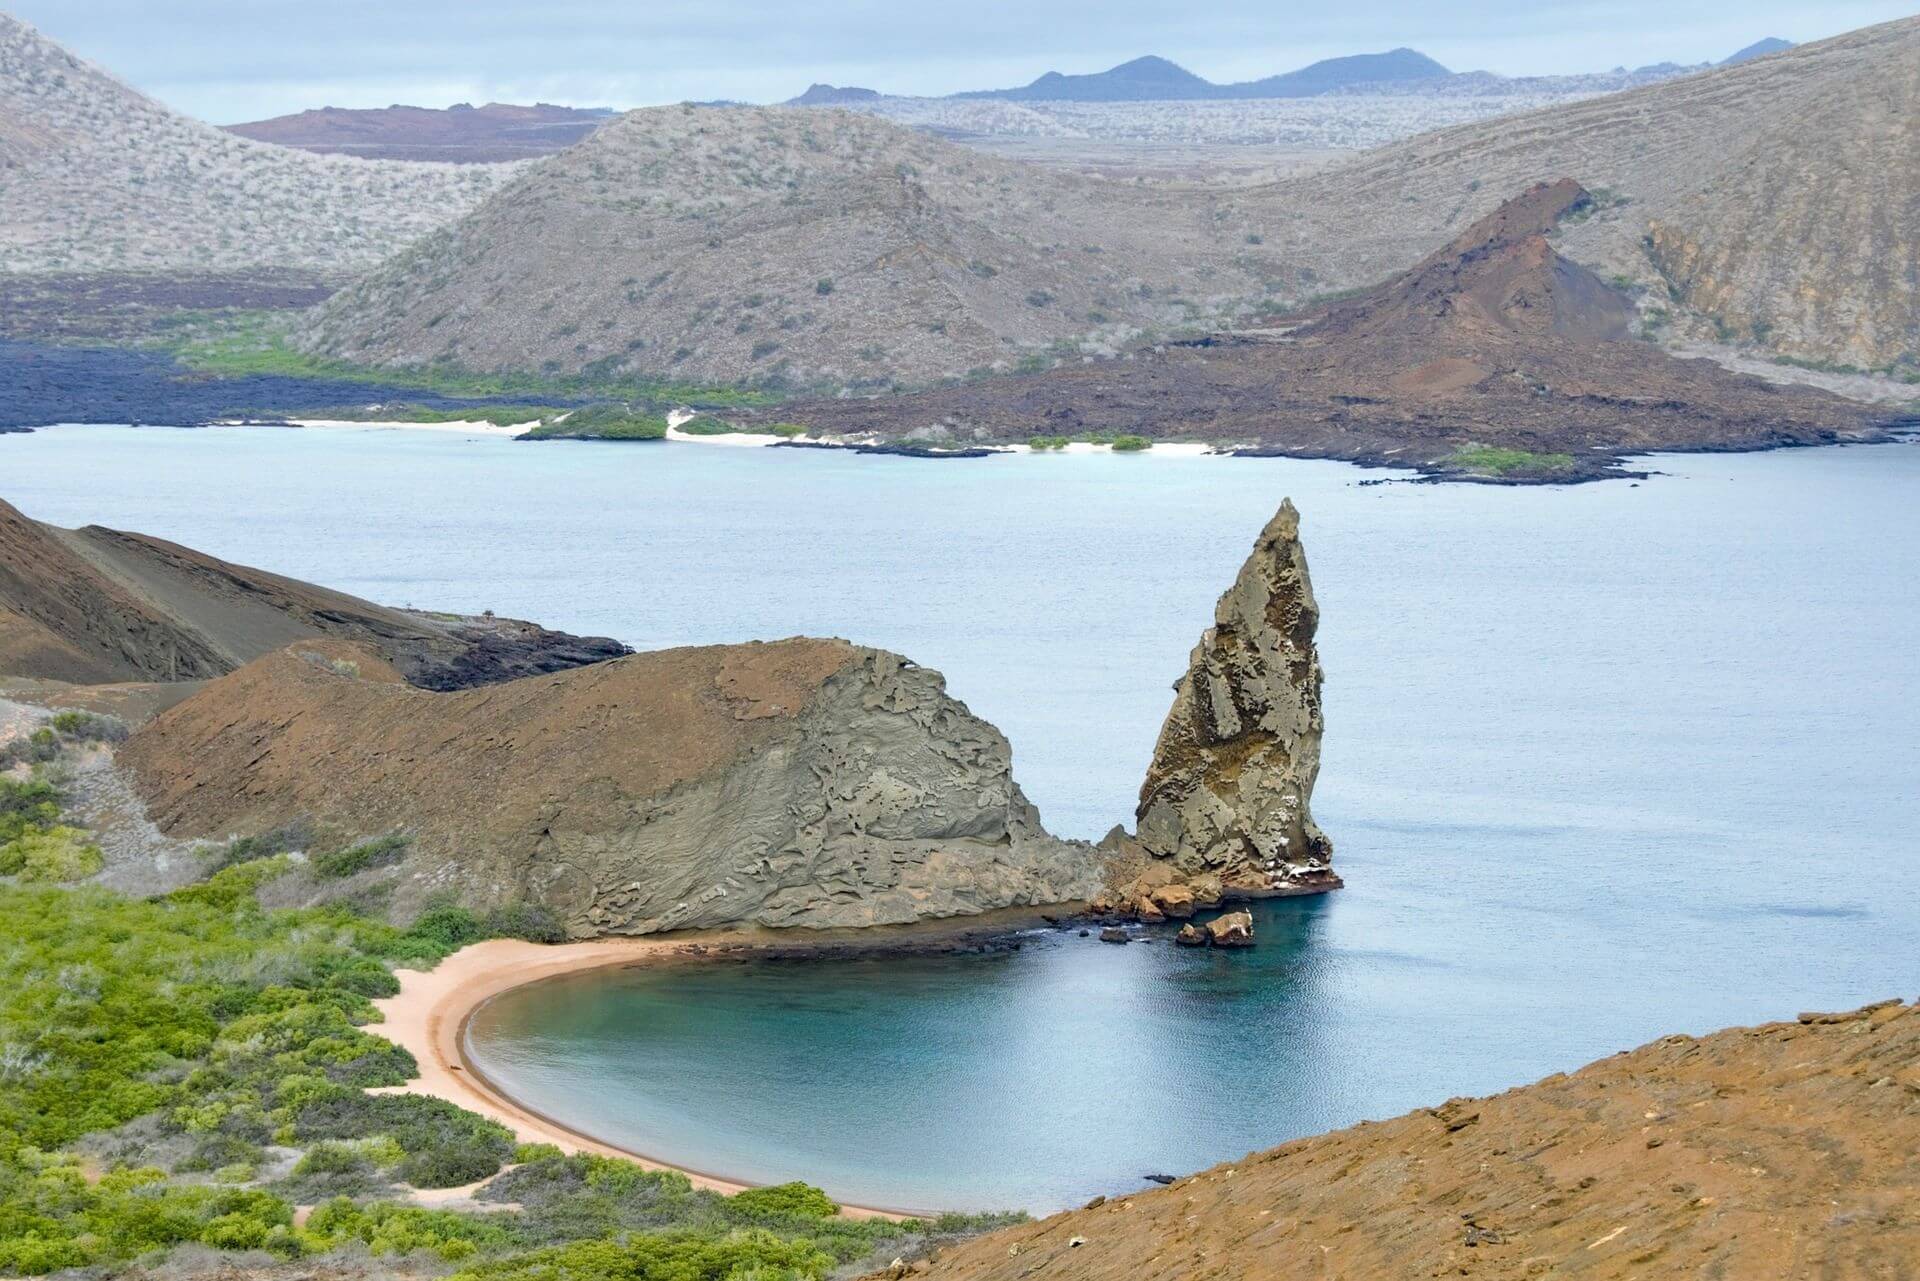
pixel 1602 763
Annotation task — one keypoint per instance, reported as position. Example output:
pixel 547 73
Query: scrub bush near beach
pixel 185 1070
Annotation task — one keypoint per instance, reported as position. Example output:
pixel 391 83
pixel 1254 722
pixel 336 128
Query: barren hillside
pixel 815 246
pixel 1787 1150
pixel 822 247
pixel 98 605
pixel 1779 195
pixel 1493 340
pixel 95 176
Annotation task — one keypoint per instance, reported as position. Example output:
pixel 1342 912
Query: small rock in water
pixel 1235 929
pixel 1084 933
pixel 1113 934
pixel 1191 935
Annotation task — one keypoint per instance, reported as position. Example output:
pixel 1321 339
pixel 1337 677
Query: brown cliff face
pixel 1225 804
pixel 1787 1150
pixel 810 783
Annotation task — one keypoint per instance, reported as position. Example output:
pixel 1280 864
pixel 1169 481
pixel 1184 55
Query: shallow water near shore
pixel 1602 763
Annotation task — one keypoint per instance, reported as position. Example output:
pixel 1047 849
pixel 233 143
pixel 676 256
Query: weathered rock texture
pixel 1226 800
pixel 98 605
pixel 1788 1150
pixel 798 783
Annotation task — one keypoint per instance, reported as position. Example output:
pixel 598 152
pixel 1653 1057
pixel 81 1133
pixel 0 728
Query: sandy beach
pixel 464 428
pixel 428 1018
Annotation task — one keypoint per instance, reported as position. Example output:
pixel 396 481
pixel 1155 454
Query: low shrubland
pixel 186 1070
pixel 600 422
pixel 1488 460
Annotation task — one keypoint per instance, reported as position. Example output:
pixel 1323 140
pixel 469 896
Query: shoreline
pixel 430 1014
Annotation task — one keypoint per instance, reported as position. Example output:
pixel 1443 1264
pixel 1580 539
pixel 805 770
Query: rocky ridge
pixel 96 605
pixel 799 783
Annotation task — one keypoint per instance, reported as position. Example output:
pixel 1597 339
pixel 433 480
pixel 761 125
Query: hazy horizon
pixel 233 60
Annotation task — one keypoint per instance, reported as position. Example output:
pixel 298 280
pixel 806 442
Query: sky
pixel 233 60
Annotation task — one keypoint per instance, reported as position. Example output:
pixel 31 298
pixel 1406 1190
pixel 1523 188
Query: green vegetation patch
pixel 1131 444
pixel 1041 444
pixel 383 851
pixel 34 844
pixel 1488 460
pixel 250 343
pixel 493 415
pixel 600 422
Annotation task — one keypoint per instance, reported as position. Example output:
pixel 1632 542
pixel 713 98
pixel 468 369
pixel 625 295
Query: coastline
pixel 428 1017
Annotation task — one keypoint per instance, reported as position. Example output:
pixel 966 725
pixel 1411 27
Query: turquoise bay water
pixel 1602 763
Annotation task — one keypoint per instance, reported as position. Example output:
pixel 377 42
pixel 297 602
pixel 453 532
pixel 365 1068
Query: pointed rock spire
pixel 1226 799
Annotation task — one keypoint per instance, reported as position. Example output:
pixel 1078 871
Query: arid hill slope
pixel 810 245
pixel 1780 195
pixel 799 783
pixel 1494 339
pixel 461 134
pixel 1788 1150
pixel 95 176
pixel 824 247
pixel 97 605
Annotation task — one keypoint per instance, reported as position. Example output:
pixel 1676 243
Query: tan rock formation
pixel 1224 808
pixel 803 782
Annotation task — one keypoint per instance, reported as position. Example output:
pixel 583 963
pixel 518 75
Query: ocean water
pixel 1602 763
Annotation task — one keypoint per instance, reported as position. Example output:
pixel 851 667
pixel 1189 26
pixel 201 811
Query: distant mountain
pixel 825 95
pixel 1152 79
pixel 97 176
pixel 1396 66
pixel 462 133
pixel 1758 49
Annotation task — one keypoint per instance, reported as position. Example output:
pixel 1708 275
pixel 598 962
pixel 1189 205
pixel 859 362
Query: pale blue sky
pixel 230 60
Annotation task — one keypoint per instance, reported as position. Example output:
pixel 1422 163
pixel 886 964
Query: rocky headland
pixel 810 783
pixel 802 783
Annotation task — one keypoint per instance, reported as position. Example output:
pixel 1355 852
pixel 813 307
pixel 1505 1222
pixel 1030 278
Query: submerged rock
pixel 1224 811
pixel 1192 935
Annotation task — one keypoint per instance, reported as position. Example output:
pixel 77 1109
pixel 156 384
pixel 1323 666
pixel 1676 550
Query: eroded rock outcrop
pixel 1224 811
pixel 803 782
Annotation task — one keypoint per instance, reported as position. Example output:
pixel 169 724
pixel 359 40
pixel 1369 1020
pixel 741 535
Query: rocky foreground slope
pixel 1788 1150
pixel 96 605
pixel 95 176
pixel 1494 340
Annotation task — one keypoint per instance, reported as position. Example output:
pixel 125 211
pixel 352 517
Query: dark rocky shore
pixel 42 383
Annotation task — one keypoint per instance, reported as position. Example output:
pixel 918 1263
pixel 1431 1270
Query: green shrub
pixel 383 851
pixel 783 1200
pixel 1130 444
pixel 533 922
pixel 1042 443
pixel 53 854
pixel 600 422
pixel 1492 461
pixel 663 1257
pixel 706 425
